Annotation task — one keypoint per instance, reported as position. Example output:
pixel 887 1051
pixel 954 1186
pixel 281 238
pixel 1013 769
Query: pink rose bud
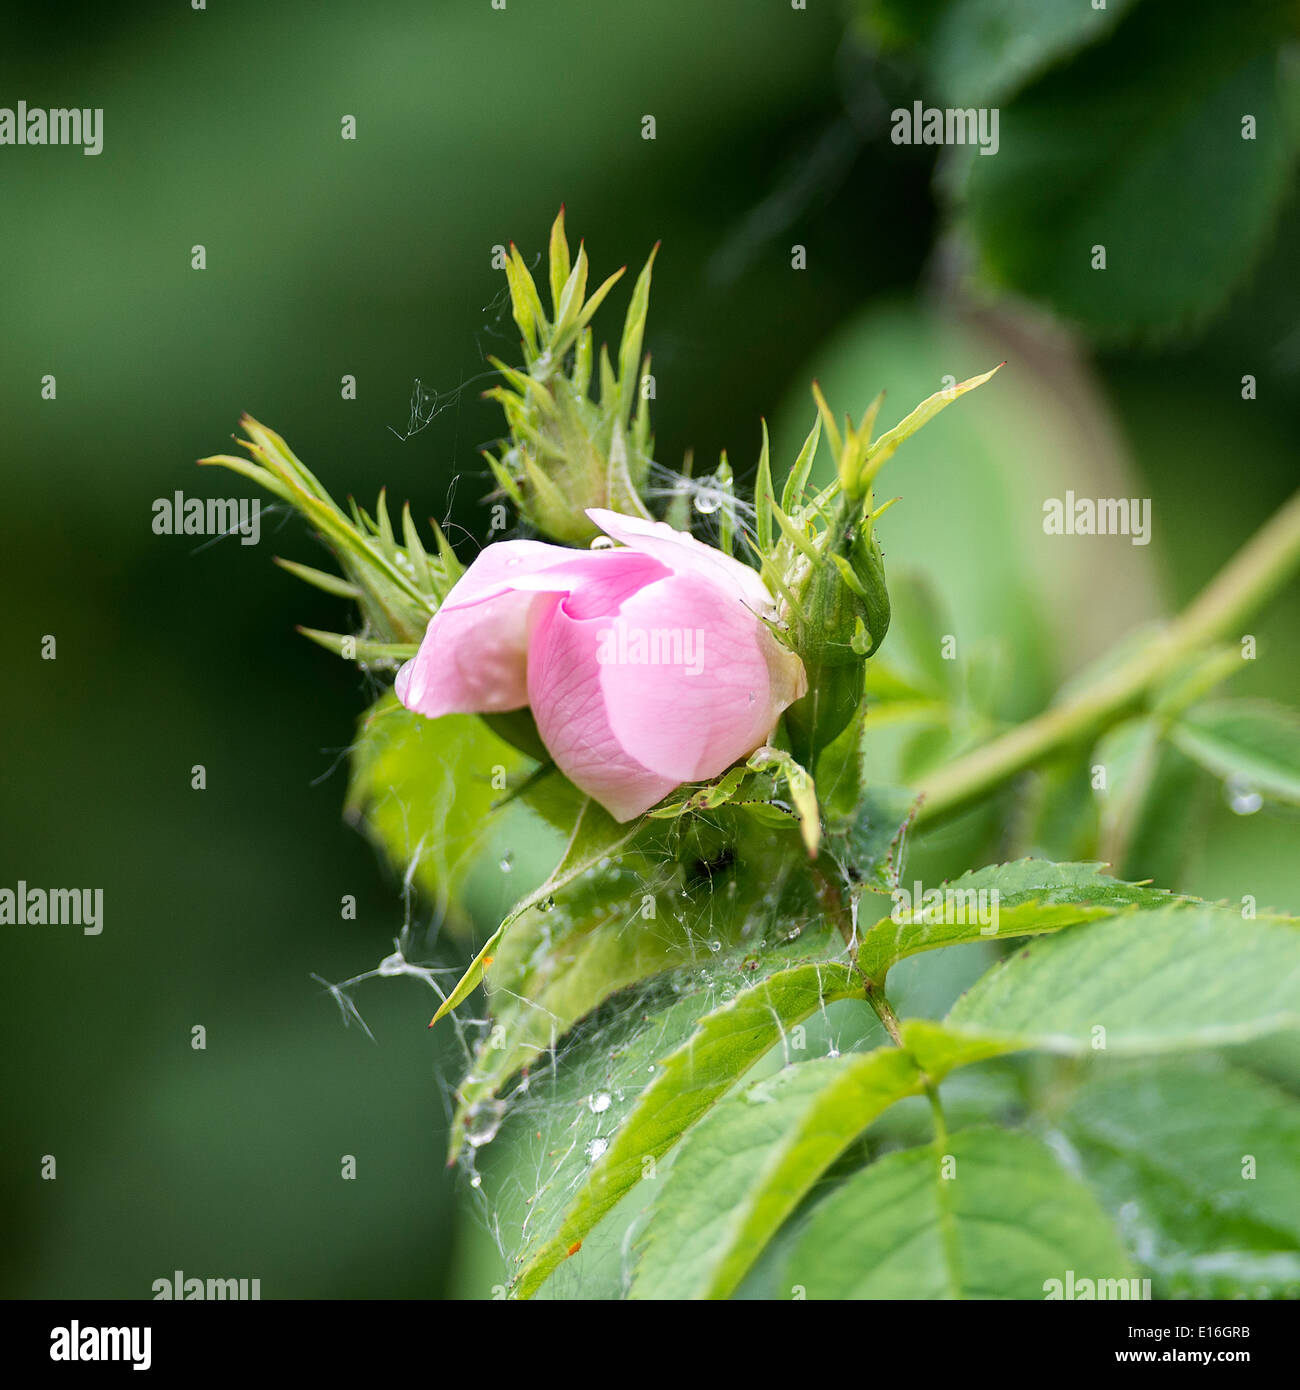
pixel 646 665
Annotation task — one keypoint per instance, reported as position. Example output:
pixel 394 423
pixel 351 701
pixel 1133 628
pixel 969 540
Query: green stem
pixel 936 1112
pixel 1259 568
pixel 885 1013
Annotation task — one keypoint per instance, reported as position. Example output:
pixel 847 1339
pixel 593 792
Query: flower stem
pixel 1252 576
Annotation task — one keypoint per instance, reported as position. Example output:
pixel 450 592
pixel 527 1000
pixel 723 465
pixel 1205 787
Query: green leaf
pixel 764 498
pixel 706 798
pixel 883 449
pixel 319 579
pixel 629 348
pixel 686 1083
pixel 989 1214
pixel 792 495
pixel 721 892
pixel 1254 743
pixel 422 789
pixel 981 52
pixel 361 650
pixel 1168 979
pixel 1200 1163
pixel 1027 898
pixel 1155 170
pixel 638 916
pixel 558 262
pixel 745 1167
pixel 595 836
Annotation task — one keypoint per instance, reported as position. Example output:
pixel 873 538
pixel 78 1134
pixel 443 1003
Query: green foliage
pixel 423 791
pixel 569 450
pixel 1120 976
pixel 986 1214
pixel 1164 979
pixel 1119 128
pixel 397 586
pixel 746 1167
pixel 1257 745
pixel 1200 1163
pixel 685 1077
pixel 1032 897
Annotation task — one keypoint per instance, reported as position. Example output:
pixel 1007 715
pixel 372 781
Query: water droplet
pixel 834 1052
pixel 1243 799
pixel 476 1180
pixel 507 862
pixel 603 543
pixel 546 904
pixel 715 946
pixel 598 1103
pixel 708 500
pixel 596 1147
pixel 483 1122
pixel 393 965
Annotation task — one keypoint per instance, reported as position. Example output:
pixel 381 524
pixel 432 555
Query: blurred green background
pixel 372 258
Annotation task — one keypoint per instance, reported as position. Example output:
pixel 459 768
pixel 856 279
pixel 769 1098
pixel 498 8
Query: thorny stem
pixel 1255 572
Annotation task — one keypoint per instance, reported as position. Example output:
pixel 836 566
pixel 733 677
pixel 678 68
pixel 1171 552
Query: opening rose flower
pixel 646 664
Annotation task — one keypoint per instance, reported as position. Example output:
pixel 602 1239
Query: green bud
pixel 571 446
pixel 841 614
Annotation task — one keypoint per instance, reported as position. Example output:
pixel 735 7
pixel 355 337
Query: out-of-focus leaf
pixel 1138 147
pixel 1200 1163
pixel 981 52
pixel 1254 743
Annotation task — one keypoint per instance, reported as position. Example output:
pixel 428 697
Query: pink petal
pixel 473 658
pixel 717 690
pixel 564 687
pixel 628 732
pixel 683 554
